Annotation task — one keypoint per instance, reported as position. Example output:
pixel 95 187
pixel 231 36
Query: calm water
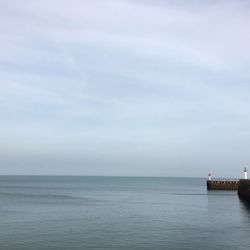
pixel 119 213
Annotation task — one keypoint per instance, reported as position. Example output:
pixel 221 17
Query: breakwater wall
pixel 244 189
pixel 222 185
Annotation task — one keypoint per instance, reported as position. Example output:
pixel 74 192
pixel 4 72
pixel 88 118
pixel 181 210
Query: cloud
pixel 125 80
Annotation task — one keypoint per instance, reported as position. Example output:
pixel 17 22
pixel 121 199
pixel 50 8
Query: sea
pixel 123 213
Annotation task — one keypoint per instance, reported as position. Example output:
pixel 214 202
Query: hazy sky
pixel 125 87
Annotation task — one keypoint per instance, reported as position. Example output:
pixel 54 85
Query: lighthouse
pixel 209 177
pixel 245 173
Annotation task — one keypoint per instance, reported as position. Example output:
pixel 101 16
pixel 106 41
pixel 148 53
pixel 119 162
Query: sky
pixel 125 87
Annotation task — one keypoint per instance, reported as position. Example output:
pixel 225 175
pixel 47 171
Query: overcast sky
pixel 125 87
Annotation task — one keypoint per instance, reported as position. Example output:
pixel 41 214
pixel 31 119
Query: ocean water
pixel 50 213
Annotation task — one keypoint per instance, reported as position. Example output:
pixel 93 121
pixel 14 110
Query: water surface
pixel 44 213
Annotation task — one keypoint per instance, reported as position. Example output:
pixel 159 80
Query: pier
pixel 242 185
pixel 244 189
pixel 222 185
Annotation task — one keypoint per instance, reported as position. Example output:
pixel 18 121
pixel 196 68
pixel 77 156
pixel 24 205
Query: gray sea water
pixel 44 213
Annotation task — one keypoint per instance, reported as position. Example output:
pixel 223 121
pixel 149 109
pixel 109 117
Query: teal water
pixel 119 213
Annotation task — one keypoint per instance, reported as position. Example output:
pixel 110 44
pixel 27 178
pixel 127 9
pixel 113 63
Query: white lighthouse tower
pixel 245 173
pixel 209 177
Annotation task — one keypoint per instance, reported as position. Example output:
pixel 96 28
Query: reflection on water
pixel 245 208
